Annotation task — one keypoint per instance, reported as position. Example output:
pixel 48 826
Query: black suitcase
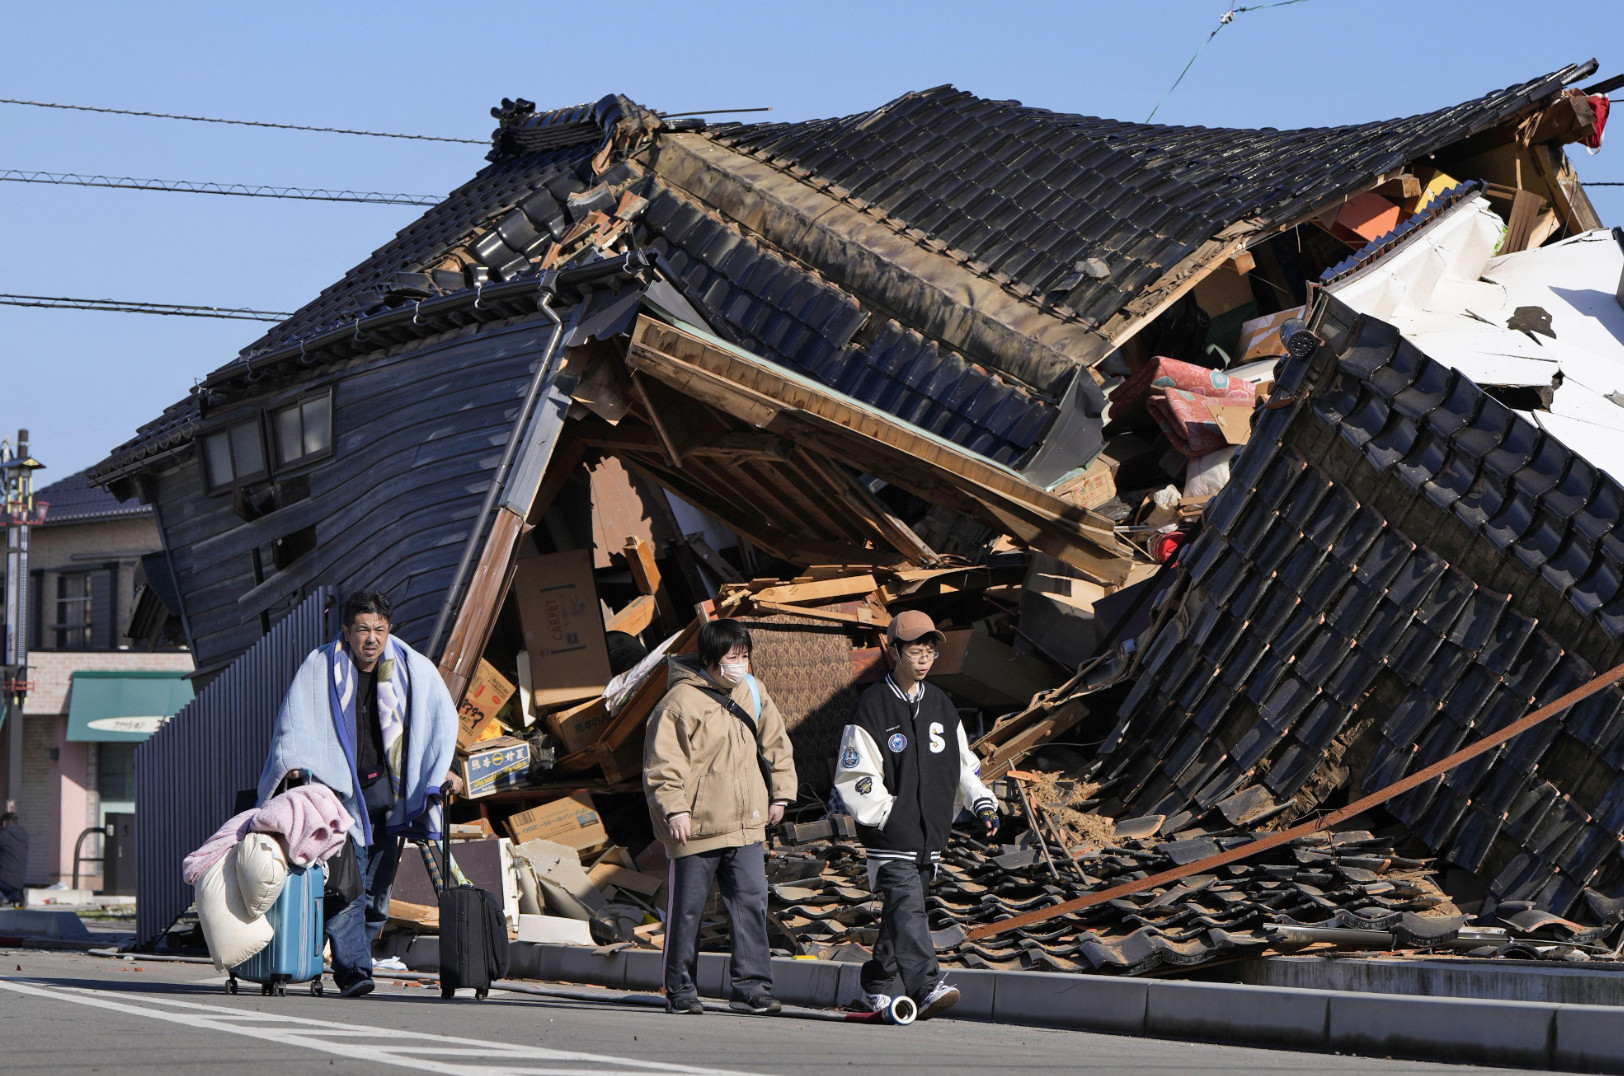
pixel 473 930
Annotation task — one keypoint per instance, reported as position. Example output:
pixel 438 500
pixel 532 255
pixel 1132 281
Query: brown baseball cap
pixel 912 626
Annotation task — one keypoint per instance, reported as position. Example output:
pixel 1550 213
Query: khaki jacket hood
pixel 699 758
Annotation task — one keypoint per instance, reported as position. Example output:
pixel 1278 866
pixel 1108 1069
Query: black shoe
pixel 762 1004
pixel 684 1006
pixel 358 989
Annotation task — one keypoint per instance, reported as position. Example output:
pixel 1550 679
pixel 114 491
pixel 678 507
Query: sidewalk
pixel 1566 1037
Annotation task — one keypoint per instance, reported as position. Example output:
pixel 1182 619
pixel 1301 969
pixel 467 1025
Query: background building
pixel 96 692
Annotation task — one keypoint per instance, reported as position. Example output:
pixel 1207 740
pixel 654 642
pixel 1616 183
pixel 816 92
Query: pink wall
pixel 70 802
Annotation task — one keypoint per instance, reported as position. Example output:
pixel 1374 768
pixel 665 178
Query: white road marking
pixel 405 1049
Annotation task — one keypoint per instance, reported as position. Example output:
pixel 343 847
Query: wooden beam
pixel 877 623
pixel 1567 193
pixel 635 618
pixel 1323 822
pixel 1001 747
pixel 481 603
pixel 821 590
pixel 656 421
pixel 891 529
pixel 640 559
pixel 740 384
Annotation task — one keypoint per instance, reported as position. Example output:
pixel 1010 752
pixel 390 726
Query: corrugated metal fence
pixel 188 773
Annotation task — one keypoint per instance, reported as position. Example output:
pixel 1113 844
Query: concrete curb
pixel 1587 1038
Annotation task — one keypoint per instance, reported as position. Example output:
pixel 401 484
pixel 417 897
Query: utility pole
pixel 18 512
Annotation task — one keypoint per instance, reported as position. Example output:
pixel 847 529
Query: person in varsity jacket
pixel 905 770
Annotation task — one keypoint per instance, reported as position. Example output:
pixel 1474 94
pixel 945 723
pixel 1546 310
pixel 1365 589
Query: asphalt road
pixel 73 1013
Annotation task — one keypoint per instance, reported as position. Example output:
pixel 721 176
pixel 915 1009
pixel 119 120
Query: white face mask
pixel 732 673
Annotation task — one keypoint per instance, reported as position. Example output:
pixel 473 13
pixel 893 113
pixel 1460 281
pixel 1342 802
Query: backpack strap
pixel 737 711
pixel 755 694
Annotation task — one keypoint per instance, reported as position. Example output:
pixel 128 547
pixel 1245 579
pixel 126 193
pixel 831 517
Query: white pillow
pixel 262 870
pixel 232 934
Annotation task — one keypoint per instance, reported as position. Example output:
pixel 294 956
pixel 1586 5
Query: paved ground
pixel 72 1013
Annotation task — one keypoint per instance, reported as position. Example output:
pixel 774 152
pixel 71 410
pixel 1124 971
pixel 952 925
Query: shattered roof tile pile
pixel 1351 879
pixel 1399 564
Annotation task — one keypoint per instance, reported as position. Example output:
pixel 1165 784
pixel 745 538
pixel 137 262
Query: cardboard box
pixel 1090 487
pixel 983 671
pixel 571 821
pixel 487 692
pixel 563 628
pixel 579 727
pixel 559 877
pixel 494 765
pixel 554 930
pixel 605 875
pixel 1260 337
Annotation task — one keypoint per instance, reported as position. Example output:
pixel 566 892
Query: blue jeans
pixel 353 930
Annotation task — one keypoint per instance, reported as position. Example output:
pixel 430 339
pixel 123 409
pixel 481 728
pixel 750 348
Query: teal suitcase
pixel 294 955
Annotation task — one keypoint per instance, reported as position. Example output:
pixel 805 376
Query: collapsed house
pixel 954 354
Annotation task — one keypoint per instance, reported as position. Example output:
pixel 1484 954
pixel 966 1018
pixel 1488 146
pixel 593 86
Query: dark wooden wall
pixel 418 433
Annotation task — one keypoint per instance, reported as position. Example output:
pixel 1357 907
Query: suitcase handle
pixel 437 876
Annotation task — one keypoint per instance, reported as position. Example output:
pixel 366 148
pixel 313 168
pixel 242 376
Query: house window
pixel 74 610
pixel 304 430
pixel 234 455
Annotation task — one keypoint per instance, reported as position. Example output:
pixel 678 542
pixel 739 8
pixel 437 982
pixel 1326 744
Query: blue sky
pixel 82 381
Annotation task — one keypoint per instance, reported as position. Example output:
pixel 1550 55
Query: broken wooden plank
pixel 875 621
pixel 656 421
pixel 640 559
pixel 635 618
pixel 476 615
pixel 755 392
pixel 1006 745
pixel 822 590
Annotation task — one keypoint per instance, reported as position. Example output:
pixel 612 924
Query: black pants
pixel 904 950
pixel 743 875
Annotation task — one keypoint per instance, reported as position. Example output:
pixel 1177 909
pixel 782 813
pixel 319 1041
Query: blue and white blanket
pixel 315 731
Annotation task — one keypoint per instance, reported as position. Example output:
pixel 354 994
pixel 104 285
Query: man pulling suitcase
pixel 370 718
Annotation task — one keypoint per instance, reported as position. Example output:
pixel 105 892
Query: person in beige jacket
pixel 718 770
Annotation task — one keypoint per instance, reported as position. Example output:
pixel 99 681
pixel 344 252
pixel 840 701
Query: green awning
pixel 128 706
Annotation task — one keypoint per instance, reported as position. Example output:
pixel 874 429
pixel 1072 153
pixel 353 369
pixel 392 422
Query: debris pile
pixel 1281 481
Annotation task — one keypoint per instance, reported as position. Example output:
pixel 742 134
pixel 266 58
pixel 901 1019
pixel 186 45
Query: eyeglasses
pixel 921 653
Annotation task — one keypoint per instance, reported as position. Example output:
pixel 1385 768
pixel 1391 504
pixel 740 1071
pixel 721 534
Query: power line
pixel 116 306
pixel 243 190
pixel 1223 20
pixel 243 123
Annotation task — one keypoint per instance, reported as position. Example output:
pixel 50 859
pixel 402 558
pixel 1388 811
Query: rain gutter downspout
pixel 543 372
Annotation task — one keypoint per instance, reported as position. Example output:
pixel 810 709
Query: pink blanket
pixel 310 819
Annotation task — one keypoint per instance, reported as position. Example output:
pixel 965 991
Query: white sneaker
pixel 871 1003
pixel 938 999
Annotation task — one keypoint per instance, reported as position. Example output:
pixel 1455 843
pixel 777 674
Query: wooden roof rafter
pixel 818 420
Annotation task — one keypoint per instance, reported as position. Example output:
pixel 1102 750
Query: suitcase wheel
pixel 479 994
pixel 281 990
pixel 315 988
pixel 266 989
pixel 231 986
pixel 448 991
